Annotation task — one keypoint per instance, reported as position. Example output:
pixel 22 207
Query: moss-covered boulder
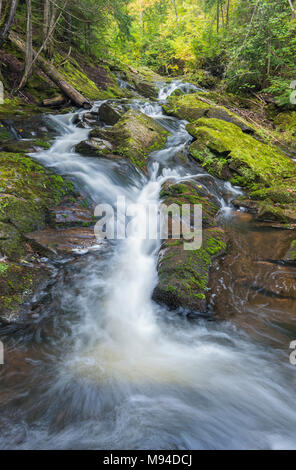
pixel 110 113
pixel 27 191
pixel 227 152
pixel 249 160
pixel 286 122
pixel 133 137
pixel 192 107
pixel 94 147
pixel 17 284
pixel 184 274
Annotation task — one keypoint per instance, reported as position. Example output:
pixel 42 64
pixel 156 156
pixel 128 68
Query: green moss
pixel 249 162
pixel 134 137
pixel 76 77
pixel 188 107
pixel 14 107
pixel 191 107
pixel 27 192
pixel 40 88
pixel 286 122
pixel 183 274
pixel 16 284
pixel 293 250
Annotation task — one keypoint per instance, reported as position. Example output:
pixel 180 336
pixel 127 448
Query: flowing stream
pixel 104 367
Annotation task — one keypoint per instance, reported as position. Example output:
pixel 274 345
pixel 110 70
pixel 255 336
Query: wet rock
pixel 290 256
pixel 51 241
pixel 94 147
pixel 184 274
pixel 110 113
pixel 269 212
pixel 248 204
pixel 12 244
pixel 133 137
pixel 72 213
pixel 18 282
pixel 27 193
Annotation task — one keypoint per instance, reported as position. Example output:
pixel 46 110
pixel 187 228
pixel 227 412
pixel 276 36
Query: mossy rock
pixel 222 144
pixel 14 107
pixel 184 274
pixel 18 283
pixel 286 122
pixel 133 137
pixel 271 213
pixel 191 108
pixel 12 245
pixel 27 192
pixel 144 81
pixel 110 113
pixel 94 147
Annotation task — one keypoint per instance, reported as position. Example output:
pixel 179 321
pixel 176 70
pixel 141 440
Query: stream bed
pixel 103 366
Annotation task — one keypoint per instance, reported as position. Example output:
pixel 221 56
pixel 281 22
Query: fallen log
pixel 56 101
pixel 76 97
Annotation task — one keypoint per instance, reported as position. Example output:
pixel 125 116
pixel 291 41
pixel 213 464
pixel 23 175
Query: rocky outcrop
pixel 133 137
pixel 27 193
pixel 268 174
pixel 193 106
pixel 184 274
pixel 33 199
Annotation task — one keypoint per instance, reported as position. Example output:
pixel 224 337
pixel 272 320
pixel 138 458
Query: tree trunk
pixel 222 14
pixel 29 39
pixel 52 20
pixel 8 21
pixel 76 97
pixel 56 101
pixel 292 8
pixel 46 17
pixel 227 12
pixel 176 12
pixel 218 15
pixel 68 31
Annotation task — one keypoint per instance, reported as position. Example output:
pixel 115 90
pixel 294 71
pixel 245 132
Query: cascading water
pixel 121 372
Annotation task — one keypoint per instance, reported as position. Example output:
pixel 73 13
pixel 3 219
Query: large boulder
pixel 184 274
pixel 28 195
pixel 133 137
pixel 192 107
pixel 269 175
pixel 94 147
pixel 110 113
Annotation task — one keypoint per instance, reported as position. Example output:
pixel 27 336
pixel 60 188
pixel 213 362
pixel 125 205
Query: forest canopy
pixel 248 46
